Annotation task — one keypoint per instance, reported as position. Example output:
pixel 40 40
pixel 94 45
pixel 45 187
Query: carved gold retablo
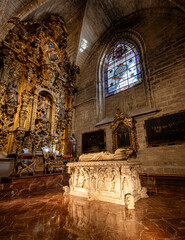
pixel 36 86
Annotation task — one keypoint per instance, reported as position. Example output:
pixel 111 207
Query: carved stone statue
pixel 86 180
pixel 129 201
pixel 72 146
pixel 81 179
pixel 120 154
pixel 114 176
pixel 101 180
pixel 93 183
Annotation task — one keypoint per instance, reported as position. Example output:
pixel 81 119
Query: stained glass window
pixel 122 69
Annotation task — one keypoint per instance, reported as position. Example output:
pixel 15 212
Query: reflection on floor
pixel 51 215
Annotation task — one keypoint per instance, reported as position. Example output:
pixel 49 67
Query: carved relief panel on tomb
pixel 112 181
pixel 82 178
pixel 37 85
pixel 108 180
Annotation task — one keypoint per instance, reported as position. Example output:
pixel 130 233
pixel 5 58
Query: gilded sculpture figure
pixel 12 94
pixel 42 107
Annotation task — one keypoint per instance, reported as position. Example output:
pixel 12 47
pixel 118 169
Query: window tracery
pixel 122 68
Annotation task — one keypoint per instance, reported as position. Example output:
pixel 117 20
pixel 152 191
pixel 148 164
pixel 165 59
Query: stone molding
pixel 104 163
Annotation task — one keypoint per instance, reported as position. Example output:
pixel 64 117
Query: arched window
pixel 122 68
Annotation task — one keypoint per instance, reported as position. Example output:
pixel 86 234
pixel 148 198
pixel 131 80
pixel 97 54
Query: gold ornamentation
pixel 37 85
pixel 25 163
pixel 124 134
pixel 50 51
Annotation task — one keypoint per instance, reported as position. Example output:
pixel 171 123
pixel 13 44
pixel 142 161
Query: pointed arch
pixel 133 40
pixel 122 68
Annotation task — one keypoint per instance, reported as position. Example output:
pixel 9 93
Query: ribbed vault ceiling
pixel 84 19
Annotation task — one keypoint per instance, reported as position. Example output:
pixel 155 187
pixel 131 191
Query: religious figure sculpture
pixel 12 93
pixel 43 107
pixel 62 113
pixel 113 181
pixel 129 201
pixel 120 154
pixel 72 146
pixel 11 97
pixel 93 182
pixel 77 173
pixel 86 180
pixel 81 178
pixel 101 180
pixel 51 51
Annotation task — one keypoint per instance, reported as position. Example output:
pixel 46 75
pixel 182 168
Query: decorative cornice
pixel 103 163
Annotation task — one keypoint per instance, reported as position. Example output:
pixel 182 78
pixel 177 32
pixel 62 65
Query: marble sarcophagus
pixel 115 180
pixel 110 177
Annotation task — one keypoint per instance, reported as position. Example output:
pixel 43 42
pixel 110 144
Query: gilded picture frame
pixel 123 133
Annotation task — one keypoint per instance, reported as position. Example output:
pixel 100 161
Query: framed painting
pixel 123 136
pixel 165 130
pixel 94 141
pixel 123 133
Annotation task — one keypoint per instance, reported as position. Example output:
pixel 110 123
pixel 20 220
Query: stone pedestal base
pixel 111 181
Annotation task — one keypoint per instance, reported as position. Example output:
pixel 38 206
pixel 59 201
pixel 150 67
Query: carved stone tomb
pixel 110 177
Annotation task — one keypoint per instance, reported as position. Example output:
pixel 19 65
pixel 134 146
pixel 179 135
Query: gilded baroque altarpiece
pixel 36 86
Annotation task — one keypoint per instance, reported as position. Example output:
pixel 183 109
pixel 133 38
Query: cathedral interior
pixel 92 119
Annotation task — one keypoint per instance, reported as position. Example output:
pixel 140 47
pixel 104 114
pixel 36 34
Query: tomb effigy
pixel 110 177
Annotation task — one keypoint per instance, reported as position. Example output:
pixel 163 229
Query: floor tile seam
pixel 172 226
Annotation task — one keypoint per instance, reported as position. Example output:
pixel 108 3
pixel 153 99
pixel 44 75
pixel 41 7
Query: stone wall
pixel 163 89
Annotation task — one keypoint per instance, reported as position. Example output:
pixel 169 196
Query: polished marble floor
pixel 52 216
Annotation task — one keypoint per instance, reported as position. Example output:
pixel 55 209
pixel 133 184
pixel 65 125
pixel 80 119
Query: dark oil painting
pixel 123 136
pixel 167 129
pixel 93 142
